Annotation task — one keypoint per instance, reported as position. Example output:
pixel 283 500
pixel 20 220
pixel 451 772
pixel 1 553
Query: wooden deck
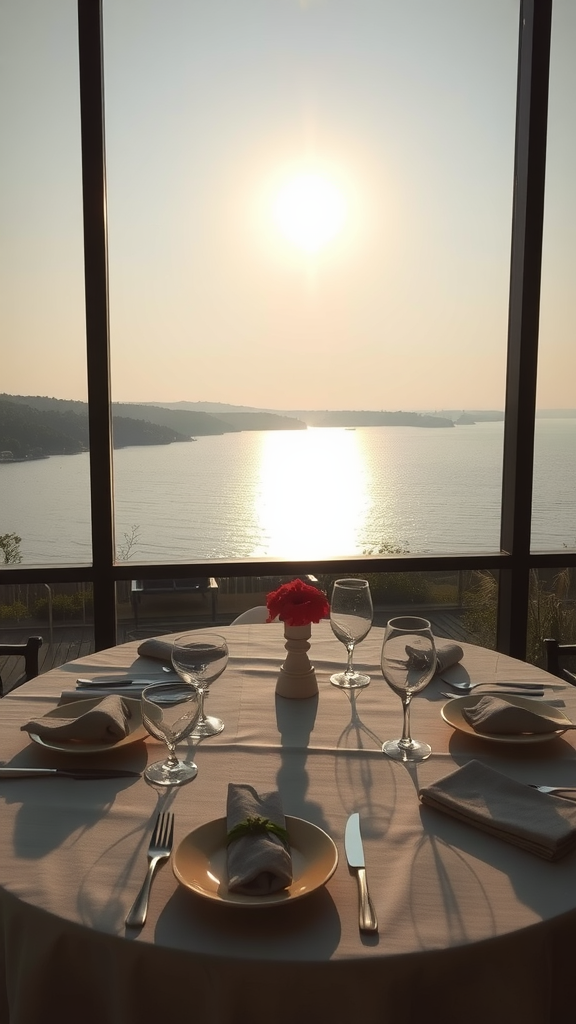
pixel 72 642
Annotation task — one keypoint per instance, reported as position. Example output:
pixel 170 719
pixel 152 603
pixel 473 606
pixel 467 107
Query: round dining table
pixel 470 928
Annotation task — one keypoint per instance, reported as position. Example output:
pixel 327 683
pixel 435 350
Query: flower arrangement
pixel 297 604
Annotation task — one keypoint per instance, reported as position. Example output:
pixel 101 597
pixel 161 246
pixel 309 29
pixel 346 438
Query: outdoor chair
pixel 257 614
pixel 28 651
pixel 555 654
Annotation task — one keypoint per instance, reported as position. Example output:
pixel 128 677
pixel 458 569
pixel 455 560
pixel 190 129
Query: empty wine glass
pixel 351 614
pixel 408 664
pixel 170 712
pixel 199 658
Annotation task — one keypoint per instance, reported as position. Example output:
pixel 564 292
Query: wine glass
pixel 170 712
pixel 351 614
pixel 199 658
pixel 408 664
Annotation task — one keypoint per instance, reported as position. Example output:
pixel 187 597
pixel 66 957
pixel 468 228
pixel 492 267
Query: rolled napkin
pixel 259 860
pixel 539 823
pixel 447 654
pixel 494 715
pixel 154 647
pixel 108 722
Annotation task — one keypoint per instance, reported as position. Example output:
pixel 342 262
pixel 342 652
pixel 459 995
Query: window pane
pixel 153 607
pixel 552 611
pixel 554 506
pixel 309 212
pixel 460 605
pixel 60 613
pixel 45 501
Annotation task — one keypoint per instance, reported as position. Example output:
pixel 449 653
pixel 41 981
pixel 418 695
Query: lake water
pixel 318 493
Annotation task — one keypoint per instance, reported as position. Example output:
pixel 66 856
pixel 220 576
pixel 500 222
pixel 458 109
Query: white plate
pixel 452 714
pixel 137 730
pixel 199 863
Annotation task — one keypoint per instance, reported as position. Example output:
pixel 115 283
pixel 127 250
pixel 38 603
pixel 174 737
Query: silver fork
pixel 466 687
pixel 159 850
pixel 502 691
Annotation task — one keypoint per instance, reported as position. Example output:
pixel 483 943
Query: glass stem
pixel 406 740
pixel 201 716
pixel 171 760
pixel 349 670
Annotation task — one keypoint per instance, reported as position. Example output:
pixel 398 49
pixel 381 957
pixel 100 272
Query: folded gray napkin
pixel 494 715
pixel 106 723
pixel 447 654
pixel 154 647
pixel 540 823
pixel 259 863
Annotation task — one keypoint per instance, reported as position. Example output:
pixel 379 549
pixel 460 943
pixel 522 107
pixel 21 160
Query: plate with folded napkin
pixel 505 720
pixel 89 726
pixel 253 859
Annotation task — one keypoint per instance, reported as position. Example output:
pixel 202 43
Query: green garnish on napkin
pixel 256 826
pixel 258 850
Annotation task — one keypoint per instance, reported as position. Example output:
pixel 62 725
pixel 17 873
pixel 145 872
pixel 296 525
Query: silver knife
pixel 554 789
pixel 355 857
pixel 119 681
pixel 69 773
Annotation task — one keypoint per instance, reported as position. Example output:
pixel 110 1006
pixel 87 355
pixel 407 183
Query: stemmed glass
pixel 408 664
pixel 351 615
pixel 200 658
pixel 170 712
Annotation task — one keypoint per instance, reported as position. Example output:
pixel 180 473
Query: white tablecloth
pixel 470 928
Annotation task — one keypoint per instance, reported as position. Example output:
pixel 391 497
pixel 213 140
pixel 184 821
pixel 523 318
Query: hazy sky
pixel 309 202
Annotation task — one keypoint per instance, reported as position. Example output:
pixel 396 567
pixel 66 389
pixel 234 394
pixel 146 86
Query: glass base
pixel 163 773
pixel 353 681
pixel 208 727
pixel 412 751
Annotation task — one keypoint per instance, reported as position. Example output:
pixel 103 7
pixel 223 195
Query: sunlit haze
pixel 310 211
pixel 309 204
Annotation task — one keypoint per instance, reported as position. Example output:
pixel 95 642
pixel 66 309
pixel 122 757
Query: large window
pixel 309 213
pixel 303 253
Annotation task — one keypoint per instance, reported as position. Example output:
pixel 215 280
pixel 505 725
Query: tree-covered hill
pixel 29 432
pixel 184 422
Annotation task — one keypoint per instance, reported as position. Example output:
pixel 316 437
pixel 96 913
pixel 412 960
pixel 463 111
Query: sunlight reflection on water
pixel 313 493
pixel 316 493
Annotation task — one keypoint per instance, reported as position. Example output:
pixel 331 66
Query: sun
pixel 310 211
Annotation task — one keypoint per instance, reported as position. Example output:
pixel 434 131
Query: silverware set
pixel 162 838
pixel 160 849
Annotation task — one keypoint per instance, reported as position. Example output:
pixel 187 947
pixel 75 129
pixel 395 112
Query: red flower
pixel 297 604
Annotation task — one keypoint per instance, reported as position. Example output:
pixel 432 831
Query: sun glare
pixel 310 211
